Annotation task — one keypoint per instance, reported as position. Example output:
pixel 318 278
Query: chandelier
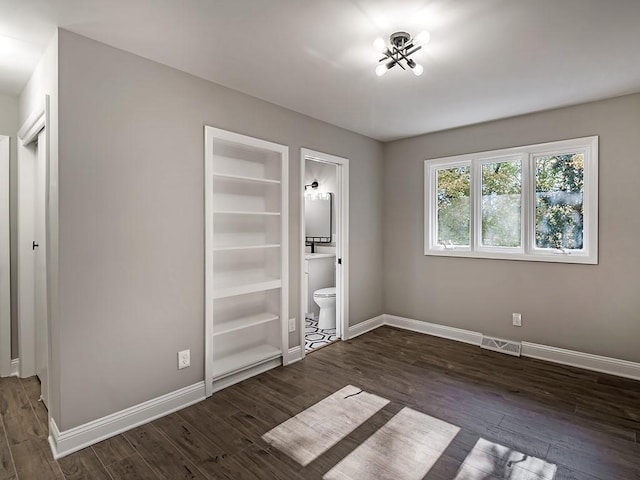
pixel 401 47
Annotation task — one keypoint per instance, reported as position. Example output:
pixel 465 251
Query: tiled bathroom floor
pixel 315 338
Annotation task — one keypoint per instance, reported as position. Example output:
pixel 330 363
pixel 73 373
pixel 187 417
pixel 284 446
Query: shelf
pixel 244 288
pixel 246 198
pixel 242 178
pixel 244 322
pixel 243 360
pixel 245 247
pixel 231 212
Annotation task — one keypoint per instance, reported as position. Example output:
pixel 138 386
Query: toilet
pixel 325 298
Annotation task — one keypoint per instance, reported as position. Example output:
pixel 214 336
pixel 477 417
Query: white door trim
pixel 342 243
pixel 27 134
pixel 32 126
pixel 5 260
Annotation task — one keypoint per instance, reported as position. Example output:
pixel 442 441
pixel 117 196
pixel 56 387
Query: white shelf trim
pixel 233 290
pixel 245 247
pixel 243 360
pixel 238 212
pixel 244 322
pixel 243 178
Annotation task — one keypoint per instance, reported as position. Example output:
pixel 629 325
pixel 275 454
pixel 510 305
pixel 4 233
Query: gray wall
pixel 589 308
pixel 9 126
pixel 132 220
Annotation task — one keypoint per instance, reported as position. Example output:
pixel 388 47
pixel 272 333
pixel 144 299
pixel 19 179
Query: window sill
pixel 581 258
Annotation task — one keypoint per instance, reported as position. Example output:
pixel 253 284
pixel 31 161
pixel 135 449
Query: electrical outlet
pixel 292 325
pixel 184 359
pixel 517 319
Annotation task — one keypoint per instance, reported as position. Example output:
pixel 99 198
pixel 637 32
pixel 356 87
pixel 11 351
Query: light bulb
pixel 422 38
pixel 381 69
pixel 379 45
pixel 417 70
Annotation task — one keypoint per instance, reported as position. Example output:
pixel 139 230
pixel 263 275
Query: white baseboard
pixel 458 334
pixel 295 354
pixel 364 327
pixel 588 361
pixel 15 367
pixel 77 438
pixel 232 379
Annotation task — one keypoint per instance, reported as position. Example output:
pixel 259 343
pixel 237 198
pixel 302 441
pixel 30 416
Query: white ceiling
pixel 487 59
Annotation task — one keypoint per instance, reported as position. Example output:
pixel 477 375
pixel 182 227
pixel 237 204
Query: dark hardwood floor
pixel 582 425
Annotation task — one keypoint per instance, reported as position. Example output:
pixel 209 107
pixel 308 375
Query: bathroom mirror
pixel 318 210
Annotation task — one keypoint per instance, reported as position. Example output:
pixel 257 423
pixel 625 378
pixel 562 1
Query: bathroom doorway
pixel 324 235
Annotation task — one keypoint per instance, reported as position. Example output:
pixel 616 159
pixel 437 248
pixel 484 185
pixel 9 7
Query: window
pixel 538 202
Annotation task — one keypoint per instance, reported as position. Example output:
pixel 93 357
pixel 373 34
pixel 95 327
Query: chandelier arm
pixel 392 63
pixel 406 57
pixel 396 58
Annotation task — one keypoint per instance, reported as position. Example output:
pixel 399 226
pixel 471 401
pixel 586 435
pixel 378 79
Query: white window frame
pixel 527 250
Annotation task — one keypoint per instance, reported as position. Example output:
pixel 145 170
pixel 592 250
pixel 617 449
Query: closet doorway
pixel 324 236
pixel 33 191
pixel 5 261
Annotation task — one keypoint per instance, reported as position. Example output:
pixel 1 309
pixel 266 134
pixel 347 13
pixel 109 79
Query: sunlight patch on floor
pixel 500 462
pixel 405 448
pixel 318 428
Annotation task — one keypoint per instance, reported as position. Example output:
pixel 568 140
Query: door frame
pixel 27 134
pixel 5 259
pixel 342 241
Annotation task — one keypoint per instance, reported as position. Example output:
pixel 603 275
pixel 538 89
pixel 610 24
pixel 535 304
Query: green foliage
pixel 454 185
pixel 501 200
pixel 560 201
pixel 559 214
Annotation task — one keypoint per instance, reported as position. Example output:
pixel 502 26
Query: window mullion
pixel 528 203
pixel 476 205
pixel 430 176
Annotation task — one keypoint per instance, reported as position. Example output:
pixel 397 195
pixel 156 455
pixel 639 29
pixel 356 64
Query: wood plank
pixel 195 446
pixel 132 468
pixel 163 457
pixel 603 465
pixel 32 388
pixel 83 465
pixel 215 429
pixel 7 469
pixel 113 450
pixel 263 466
pixel 19 418
pixel 565 473
pixel 34 461
pixel 572 432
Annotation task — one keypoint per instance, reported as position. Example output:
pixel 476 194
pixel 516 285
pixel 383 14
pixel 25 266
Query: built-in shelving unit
pixel 246 256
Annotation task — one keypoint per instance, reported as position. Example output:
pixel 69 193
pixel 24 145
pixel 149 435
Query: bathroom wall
pixel 327 179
